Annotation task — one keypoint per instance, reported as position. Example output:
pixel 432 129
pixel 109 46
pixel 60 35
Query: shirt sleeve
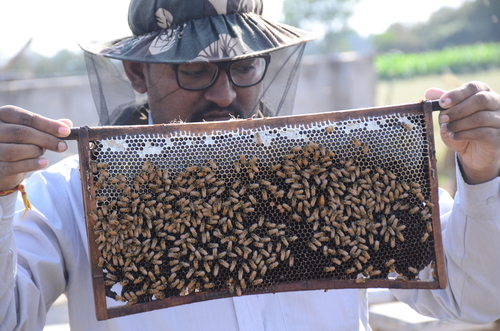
pixel 471 242
pixel 34 251
pixel 8 261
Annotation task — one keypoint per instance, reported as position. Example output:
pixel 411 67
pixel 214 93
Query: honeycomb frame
pixel 181 213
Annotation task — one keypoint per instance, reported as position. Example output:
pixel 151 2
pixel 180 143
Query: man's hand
pixel 470 126
pixel 24 138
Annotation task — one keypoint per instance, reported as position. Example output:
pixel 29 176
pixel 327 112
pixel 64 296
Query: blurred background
pixel 368 53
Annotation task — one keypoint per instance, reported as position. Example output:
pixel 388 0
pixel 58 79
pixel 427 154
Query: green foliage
pixel 457 59
pixel 475 21
pixel 64 63
pixel 328 16
pixel 325 12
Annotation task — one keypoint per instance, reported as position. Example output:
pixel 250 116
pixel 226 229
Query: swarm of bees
pixel 307 215
pixel 353 210
pixel 179 235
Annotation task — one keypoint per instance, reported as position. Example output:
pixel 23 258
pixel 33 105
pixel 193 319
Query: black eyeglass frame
pixel 223 65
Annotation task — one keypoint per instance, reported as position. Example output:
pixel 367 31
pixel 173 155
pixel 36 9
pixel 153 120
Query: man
pixel 46 254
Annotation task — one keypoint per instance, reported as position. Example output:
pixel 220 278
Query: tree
pixel 475 21
pixel 328 17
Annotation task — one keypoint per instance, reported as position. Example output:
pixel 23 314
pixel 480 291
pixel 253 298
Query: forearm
pixel 8 262
pixel 30 266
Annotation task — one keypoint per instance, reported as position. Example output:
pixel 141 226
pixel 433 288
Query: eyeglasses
pixel 202 75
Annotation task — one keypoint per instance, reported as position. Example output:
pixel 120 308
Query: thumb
pixel 434 93
pixel 66 121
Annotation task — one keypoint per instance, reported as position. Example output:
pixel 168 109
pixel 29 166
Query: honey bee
pixel 400 236
pixel 176 283
pixel 179 284
pixel 93 215
pixel 414 210
pixel 329 269
pixel 239 291
pixel 273 265
pixel 312 246
pixel 102 165
pixel 361 280
pixel 401 278
pixel 425 237
pixel 127 296
pixel 232 266
pixel 356 142
pixel 209 286
pixel 258 139
pixel 366 148
pixel 111 276
pixel 407 126
pixel 429 204
pixel 426 216
pixel 415 185
pixel 393 242
pixel 362 259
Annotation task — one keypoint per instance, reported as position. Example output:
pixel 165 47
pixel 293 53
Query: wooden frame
pixel 86 136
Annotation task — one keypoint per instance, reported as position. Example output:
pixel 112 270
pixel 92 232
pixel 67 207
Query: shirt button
pixel 490 200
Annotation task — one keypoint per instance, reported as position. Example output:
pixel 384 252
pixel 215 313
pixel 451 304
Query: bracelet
pixel 24 195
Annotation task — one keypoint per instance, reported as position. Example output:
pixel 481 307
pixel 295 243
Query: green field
pixel 457 59
pixel 399 91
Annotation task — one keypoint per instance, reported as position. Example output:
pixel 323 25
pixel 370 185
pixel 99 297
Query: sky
pixel 58 24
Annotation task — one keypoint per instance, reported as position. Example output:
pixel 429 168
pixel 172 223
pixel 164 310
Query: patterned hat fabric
pixel 179 31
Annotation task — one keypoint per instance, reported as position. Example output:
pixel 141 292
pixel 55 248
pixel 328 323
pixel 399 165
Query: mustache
pixel 199 115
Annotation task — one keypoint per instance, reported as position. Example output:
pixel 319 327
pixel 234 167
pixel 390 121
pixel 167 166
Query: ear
pixel 135 73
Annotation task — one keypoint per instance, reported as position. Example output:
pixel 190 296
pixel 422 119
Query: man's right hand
pixel 24 138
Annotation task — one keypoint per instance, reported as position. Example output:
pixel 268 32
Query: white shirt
pixel 46 254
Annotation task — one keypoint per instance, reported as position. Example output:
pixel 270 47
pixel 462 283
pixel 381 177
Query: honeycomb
pixel 240 211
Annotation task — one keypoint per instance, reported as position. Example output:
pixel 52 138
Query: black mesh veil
pixel 280 83
pixel 113 95
pixel 117 102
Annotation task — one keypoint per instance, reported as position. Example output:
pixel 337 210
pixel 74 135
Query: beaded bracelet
pixel 24 195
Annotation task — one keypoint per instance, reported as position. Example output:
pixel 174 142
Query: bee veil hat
pixel 180 31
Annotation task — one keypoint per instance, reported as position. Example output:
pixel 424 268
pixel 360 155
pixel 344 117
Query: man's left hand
pixel 470 125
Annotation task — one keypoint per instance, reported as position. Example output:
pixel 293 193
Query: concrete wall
pixel 62 97
pixel 335 82
pixel 326 83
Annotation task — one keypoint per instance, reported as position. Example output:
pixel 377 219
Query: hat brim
pixel 213 38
